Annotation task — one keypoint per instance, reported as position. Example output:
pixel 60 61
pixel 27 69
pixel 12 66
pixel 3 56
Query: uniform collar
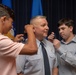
pixel 38 42
pixel 73 40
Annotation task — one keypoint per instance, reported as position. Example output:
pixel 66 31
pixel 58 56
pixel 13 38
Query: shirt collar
pixel 38 42
pixel 73 40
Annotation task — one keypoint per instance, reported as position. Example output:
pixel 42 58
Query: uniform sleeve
pixel 20 62
pixel 67 56
pixel 55 61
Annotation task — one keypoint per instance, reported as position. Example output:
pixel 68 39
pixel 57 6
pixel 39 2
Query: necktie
pixel 46 60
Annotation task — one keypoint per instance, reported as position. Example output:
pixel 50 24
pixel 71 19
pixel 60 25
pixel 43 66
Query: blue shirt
pixel 67 58
pixel 34 64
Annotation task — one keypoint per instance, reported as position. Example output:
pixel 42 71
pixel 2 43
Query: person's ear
pixel 3 19
pixel 71 28
pixel 34 29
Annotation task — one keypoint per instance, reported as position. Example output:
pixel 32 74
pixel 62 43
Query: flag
pixel 11 33
pixel 7 3
pixel 36 8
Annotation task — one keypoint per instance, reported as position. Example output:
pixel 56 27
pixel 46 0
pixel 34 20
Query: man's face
pixel 41 28
pixel 65 31
pixel 7 25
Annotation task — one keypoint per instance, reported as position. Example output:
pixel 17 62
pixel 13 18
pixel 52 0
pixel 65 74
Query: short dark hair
pixel 67 21
pixel 6 11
